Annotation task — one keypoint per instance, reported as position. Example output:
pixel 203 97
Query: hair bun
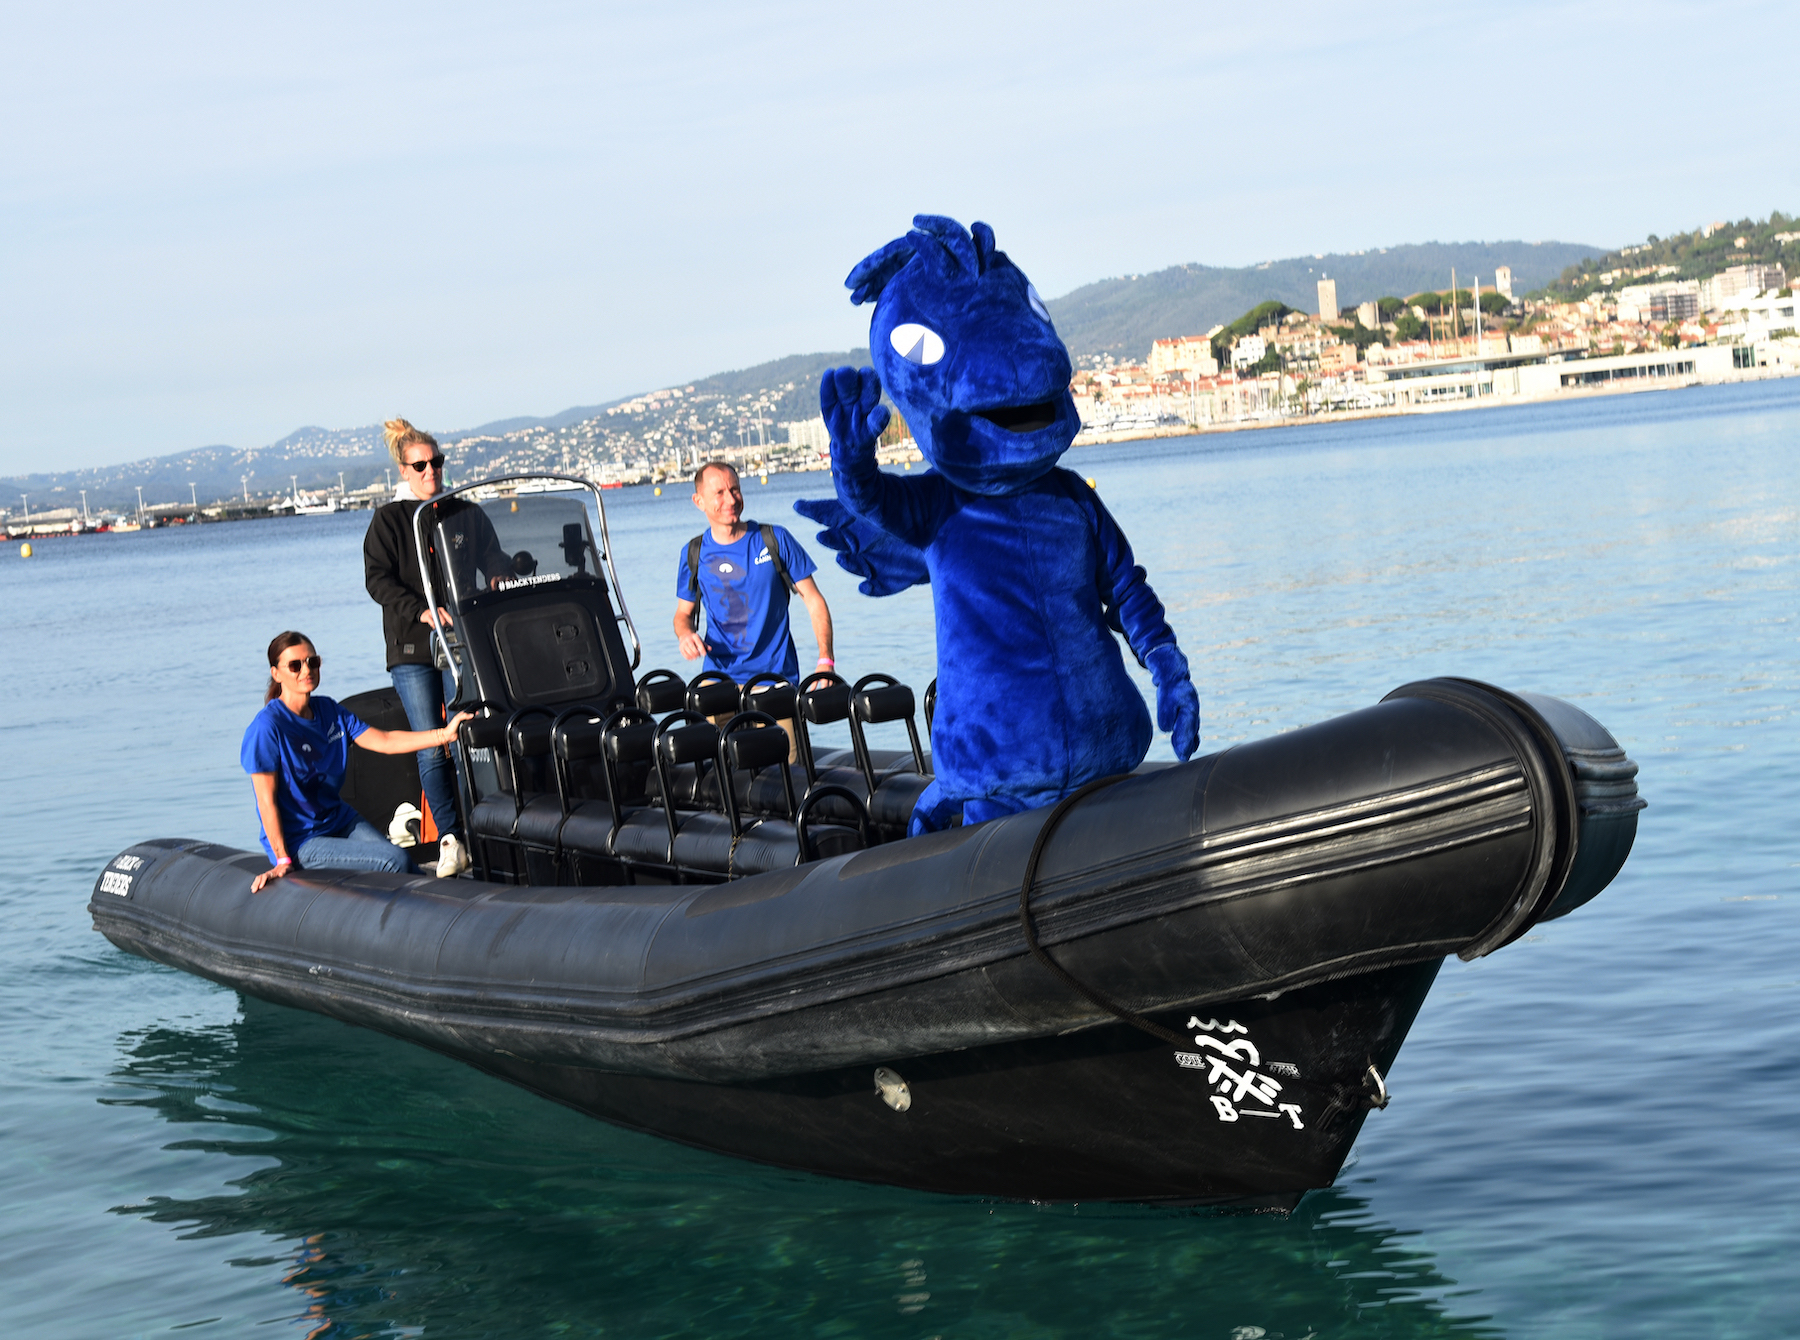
pixel 399 434
pixel 396 431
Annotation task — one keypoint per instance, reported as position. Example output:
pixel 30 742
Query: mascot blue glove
pixel 1030 574
pixel 885 564
pixel 855 422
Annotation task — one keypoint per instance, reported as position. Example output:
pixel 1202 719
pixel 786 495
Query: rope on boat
pixel 1118 1012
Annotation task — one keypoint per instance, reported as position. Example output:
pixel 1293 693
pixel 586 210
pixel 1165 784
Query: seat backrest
pixel 661 691
pixel 824 697
pixel 768 692
pixel 752 740
pixel 529 732
pixel 712 694
pixel 875 699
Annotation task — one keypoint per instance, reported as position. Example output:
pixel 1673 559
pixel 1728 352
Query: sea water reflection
pixel 395 1190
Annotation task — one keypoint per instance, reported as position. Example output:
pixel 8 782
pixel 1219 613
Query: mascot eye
pixel 916 343
pixel 1037 303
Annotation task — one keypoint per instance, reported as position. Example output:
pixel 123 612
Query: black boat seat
pixel 493 816
pixel 535 811
pixel 540 820
pixel 624 746
pixel 703 842
pixel 891 806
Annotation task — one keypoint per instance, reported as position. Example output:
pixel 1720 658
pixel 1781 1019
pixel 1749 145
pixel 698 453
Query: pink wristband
pixel 826 660
pixel 285 860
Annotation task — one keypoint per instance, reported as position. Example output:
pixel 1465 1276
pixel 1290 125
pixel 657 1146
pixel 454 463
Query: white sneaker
pixel 452 858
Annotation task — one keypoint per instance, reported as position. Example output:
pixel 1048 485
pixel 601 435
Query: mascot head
pixel 965 348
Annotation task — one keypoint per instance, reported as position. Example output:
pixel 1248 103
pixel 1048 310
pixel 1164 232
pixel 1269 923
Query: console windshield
pixel 502 538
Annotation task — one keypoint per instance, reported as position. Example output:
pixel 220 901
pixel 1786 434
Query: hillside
pixel 1122 316
pixel 1706 251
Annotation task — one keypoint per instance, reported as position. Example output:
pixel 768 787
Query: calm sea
pixel 1595 1132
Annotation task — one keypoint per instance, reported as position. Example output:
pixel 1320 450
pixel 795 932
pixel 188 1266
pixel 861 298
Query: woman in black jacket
pixel 391 573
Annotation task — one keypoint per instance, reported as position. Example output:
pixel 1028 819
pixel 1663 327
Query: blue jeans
pixel 424 690
pixel 359 847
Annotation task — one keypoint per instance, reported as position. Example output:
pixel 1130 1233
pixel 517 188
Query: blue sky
pixel 219 223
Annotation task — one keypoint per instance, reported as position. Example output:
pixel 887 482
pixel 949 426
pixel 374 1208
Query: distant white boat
pixel 322 508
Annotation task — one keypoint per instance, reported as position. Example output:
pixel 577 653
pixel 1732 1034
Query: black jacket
pixel 391 574
pixel 391 569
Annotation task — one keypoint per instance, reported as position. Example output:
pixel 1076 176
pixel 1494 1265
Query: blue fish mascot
pixel 1030 575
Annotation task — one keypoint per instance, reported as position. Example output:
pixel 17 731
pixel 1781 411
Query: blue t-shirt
pixel 308 759
pixel 746 603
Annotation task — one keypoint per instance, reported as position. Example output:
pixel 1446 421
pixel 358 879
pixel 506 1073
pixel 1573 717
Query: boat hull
pixel 1106 1114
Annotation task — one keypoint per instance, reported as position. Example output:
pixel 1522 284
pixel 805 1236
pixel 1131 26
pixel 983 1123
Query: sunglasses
pixel 311 663
pixel 429 463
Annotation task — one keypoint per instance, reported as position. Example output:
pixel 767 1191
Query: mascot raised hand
pixel 1029 573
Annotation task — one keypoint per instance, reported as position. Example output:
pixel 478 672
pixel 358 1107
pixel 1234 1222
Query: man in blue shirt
pixel 744 587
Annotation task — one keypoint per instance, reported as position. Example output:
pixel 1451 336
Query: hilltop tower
pixel 1328 308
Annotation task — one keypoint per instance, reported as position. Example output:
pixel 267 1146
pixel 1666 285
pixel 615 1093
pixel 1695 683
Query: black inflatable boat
pixel 1187 984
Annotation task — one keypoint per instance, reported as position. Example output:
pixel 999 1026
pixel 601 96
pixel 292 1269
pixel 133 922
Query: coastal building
pixel 1328 303
pixel 1368 315
pixel 1659 304
pixel 1769 315
pixel 1248 351
pixel 1503 281
pixel 1725 291
pixel 810 434
pixel 1189 353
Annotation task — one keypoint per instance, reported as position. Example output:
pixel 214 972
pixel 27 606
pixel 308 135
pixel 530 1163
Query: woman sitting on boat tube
pixel 296 751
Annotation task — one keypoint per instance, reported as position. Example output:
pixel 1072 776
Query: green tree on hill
pixel 1357 334
pixel 1263 314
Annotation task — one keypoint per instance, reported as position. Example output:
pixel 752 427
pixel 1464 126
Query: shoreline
pixel 1105 439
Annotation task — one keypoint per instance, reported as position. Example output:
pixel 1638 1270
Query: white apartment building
pixel 809 433
pixel 1676 300
pixel 1769 314
pixel 1725 292
pixel 1249 350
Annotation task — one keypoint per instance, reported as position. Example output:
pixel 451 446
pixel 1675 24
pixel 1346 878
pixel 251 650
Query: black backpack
pixel 768 539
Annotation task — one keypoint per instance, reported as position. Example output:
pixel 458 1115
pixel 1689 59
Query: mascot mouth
pixel 1022 418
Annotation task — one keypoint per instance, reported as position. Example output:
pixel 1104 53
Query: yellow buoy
pixel 908 464
pixel 765 479
pixel 25 551
pixel 657 491
pixel 1091 483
